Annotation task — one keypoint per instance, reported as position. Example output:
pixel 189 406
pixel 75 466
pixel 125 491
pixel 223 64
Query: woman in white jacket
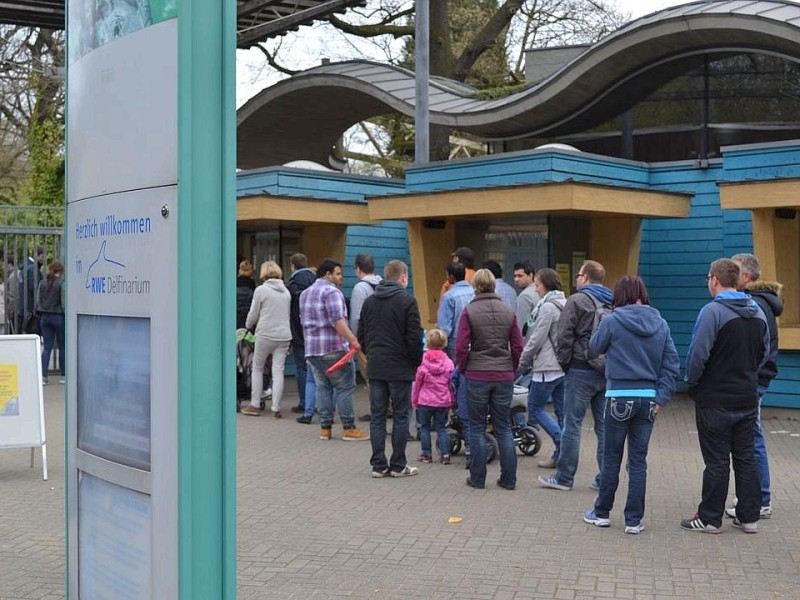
pixel 269 316
pixel 540 351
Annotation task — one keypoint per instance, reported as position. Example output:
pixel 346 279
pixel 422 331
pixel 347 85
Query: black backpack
pixel 601 309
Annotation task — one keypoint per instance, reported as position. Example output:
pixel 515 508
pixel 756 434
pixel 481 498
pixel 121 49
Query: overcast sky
pixel 639 8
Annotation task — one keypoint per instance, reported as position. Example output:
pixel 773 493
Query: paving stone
pixel 313 524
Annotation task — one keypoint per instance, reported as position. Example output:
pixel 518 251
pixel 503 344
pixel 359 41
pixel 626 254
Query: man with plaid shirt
pixel 323 313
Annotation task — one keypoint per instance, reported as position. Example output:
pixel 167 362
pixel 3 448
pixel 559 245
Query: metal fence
pixel 24 230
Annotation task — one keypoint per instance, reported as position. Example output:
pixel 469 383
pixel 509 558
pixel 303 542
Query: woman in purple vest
pixel 487 349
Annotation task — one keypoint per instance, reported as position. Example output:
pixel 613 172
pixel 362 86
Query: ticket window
pixel 277 243
pixel 560 243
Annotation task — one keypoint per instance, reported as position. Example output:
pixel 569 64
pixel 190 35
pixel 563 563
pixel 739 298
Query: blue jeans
pixel 539 393
pixel 438 416
pixel 298 355
pixel 630 418
pixel 52 325
pixel 334 389
pixel 583 389
pixel 725 434
pixel 380 392
pixel 491 398
pixel 760 447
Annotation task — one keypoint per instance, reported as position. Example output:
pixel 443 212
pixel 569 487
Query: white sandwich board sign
pixel 21 398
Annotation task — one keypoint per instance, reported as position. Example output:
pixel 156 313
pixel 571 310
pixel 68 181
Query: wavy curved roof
pixel 302 117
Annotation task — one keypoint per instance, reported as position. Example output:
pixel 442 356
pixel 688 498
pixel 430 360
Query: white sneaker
pixel 764 513
pixel 406 471
pixel 635 529
pixel 267 393
pixel 746 527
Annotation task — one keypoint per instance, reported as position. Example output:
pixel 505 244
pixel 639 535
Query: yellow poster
pixel 9 391
pixel 563 271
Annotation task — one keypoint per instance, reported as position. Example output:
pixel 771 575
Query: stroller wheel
pixel 455 442
pixel 492 449
pixel 529 441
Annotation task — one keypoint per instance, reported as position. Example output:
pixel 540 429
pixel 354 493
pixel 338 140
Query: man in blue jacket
pixel 301 278
pixel 729 344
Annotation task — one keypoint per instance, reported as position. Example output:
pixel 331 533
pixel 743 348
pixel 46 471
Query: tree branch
pixel 384 27
pixel 273 63
pixel 486 38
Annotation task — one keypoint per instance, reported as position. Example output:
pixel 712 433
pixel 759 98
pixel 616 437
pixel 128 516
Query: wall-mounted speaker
pixel 785 213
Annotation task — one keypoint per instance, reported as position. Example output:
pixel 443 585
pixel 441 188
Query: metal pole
pixel 422 139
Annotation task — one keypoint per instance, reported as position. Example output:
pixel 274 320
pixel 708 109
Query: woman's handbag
pixel 32 324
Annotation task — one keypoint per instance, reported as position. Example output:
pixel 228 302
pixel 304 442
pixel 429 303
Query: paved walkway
pixel 313 524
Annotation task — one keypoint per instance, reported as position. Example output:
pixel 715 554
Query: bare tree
pixel 480 42
pixel 31 115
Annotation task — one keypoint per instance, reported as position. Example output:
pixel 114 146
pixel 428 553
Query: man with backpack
pixel 364 267
pixel 585 383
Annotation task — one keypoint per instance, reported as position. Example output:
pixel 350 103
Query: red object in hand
pixel 342 361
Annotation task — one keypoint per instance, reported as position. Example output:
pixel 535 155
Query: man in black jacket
pixel 729 345
pixel 766 294
pixel 390 334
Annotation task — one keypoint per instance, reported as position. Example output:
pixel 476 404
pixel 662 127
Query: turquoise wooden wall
pixel 675 253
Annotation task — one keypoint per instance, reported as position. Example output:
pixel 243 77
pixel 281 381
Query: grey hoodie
pixel 269 311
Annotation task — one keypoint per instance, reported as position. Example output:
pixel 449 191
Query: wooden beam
pixel 324 241
pixel 429 250
pixel 782 193
pixel 562 197
pixel 615 242
pixel 788 338
pixel 301 210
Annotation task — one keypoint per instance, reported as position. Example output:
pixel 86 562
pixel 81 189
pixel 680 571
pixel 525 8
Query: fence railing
pixel 24 229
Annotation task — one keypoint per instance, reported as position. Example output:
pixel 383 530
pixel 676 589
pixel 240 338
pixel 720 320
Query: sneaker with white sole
pixel 380 474
pixel 406 471
pixel 696 524
pixel 635 529
pixel 552 483
pixel 590 516
pixel 746 527
pixel 764 513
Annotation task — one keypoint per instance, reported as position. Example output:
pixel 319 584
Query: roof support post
pixel 421 75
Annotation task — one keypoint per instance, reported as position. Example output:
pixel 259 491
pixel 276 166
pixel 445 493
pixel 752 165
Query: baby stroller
pixel 457 438
pixel 245 349
pixel 526 438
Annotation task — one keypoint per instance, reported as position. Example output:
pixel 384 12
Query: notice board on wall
pixel 21 398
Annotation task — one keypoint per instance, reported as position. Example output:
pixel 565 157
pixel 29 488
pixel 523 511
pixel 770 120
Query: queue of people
pixel 33 303
pixel 604 350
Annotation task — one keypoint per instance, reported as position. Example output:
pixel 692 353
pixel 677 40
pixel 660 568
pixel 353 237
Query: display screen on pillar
pixel 114 391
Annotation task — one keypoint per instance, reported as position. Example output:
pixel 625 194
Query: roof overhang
pixel 256 20
pixel 258 210
pixel 749 195
pixel 568 198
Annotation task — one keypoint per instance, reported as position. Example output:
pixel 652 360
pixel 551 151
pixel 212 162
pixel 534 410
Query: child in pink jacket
pixel 432 397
